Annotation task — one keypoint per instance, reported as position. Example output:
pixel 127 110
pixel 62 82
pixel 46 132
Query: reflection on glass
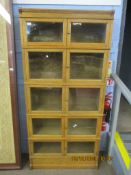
pixel 46 99
pixel 80 147
pixel 44 31
pixel 83 99
pixel 88 32
pixel 47 147
pixel 86 65
pixel 45 65
pixel 82 126
pixel 47 126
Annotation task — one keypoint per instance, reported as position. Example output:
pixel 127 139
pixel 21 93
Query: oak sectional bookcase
pixel 65 63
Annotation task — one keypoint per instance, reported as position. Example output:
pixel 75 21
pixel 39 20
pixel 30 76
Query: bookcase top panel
pixel 49 13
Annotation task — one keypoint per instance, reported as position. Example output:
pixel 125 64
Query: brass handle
pixel 67 67
pixel 11 69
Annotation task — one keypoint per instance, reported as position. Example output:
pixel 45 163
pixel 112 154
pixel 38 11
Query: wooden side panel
pixel 65 162
pixel 66 14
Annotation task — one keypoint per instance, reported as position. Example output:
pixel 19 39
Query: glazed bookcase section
pixel 65 63
pixel 86 66
pixel 64 154
pixel 81 99
pixel 89 32
pixel 47 147
pixel 80 147
pixel 53 127
pixel 47 126
pixel 44 65
pixel 83 33
pixel 72 99
pixel 81 127
pixel 65 66
pixel 46 99
pixel 64 127
pixel 67 147
pixel 43 32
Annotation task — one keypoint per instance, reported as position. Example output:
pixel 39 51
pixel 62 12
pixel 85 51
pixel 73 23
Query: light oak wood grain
pixel 64 159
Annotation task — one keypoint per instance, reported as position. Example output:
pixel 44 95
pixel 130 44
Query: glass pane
pixel 88 32
pixel 44 31
pixel 82 126
pixel 45 65
pixel 86 65
pixel 46 99
pixel 83 99
pixel 47 147
pixel 80 147
pixel 47 126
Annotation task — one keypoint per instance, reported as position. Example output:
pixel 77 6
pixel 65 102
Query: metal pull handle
pixel 11 69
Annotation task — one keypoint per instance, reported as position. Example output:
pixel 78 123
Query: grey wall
pixel 125 69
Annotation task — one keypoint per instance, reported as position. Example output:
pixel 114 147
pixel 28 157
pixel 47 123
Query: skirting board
pixel 70 2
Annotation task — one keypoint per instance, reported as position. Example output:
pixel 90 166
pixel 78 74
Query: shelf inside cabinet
pixel 81 127
pixel 84 32
pixel 44 31
pixel 46 126
pixel 80 147
pixel 86 65
pixel 84 99
pixel 47 147
pixel 45 65
pixel 46 99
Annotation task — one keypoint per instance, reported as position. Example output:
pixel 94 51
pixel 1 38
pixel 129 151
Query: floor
pixel 124 123
pixel 126 137
pixel 104 168
pixel 124 119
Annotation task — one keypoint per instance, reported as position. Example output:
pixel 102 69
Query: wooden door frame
pixel 102 46
pixel 13 91
pixel 26 44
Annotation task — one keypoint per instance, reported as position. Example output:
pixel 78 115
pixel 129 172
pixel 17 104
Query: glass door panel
pixel 46 99
pixel 48 126
pixel 45 65
pixel 81 127
pixel 83 32
pixel 47 147
pixel 84 99
pixel 86 66
pixel 80 147
pixel 44 31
